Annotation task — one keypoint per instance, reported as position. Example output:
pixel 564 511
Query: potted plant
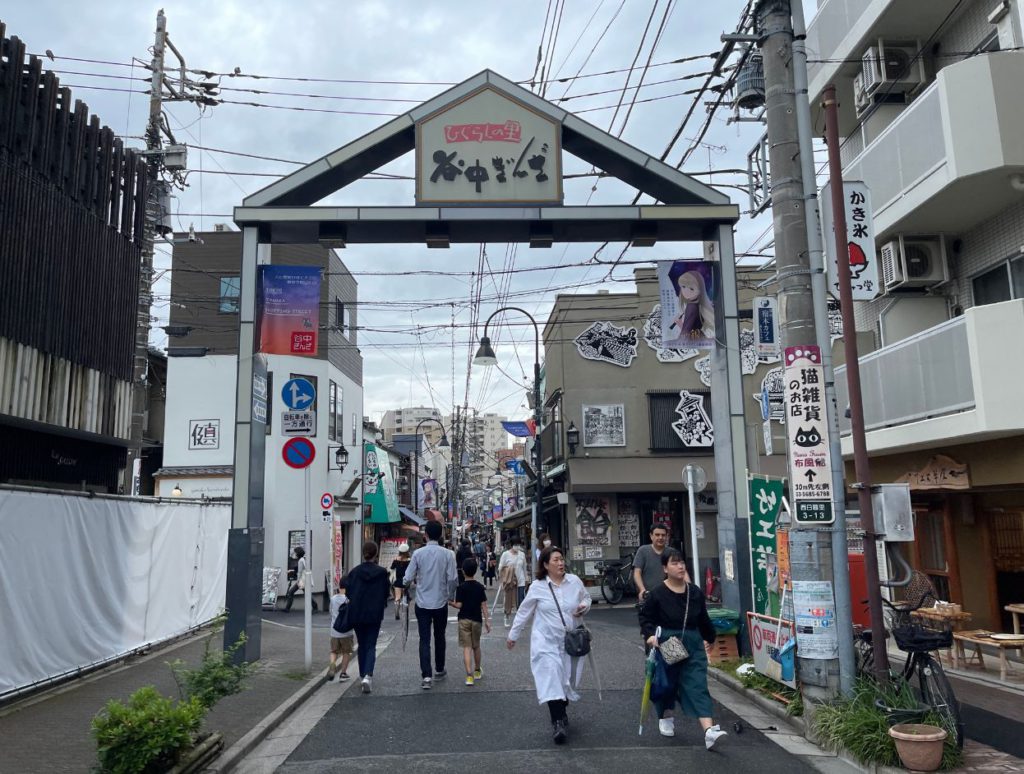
pixel 919 745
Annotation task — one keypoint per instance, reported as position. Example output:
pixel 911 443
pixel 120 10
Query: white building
pixel 933 121
pixel 200 410
pixel 403 421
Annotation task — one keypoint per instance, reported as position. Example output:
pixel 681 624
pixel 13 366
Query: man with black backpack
pixel 341 641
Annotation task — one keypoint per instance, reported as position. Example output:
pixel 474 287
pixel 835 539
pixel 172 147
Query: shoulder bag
pixel 577 640
pixel 673 650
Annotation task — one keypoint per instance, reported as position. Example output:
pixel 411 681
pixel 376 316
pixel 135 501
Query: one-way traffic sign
pixel 298 394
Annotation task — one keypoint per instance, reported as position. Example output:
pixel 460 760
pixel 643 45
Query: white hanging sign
pixel 810 461
pixel 860 240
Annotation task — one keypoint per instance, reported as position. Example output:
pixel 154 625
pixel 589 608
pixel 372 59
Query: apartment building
pixel 932 120
pixel 404 421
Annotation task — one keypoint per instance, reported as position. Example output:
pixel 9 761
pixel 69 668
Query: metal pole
pixel 538 415
pixel 861 463
pixel 810 551
pixel 690 484
pixel 840 552
pixel 307 613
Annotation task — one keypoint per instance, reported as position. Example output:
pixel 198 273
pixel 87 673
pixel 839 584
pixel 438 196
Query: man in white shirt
pixel 432 570
pixel 513 579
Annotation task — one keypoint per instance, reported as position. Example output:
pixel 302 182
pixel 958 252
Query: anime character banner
pixel 593 521
pixel 652 336
pixel 687 294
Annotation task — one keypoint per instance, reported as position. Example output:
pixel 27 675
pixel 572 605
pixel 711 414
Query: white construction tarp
pixel 83 580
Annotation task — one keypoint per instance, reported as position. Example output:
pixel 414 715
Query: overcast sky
pixel 406 335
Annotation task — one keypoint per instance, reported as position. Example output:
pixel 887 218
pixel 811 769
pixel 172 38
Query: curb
pixel 767 705
pixel 240 749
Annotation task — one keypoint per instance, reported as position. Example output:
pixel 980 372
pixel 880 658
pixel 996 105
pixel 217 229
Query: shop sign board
pixel 810 461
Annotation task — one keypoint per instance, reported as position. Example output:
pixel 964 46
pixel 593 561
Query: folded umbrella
pixel 645 697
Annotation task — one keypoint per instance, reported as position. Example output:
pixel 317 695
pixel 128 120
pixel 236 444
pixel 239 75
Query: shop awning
pixel 516 518
pixel 411 516
pixel 650 474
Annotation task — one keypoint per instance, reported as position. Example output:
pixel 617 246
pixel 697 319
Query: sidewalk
pixel 51 733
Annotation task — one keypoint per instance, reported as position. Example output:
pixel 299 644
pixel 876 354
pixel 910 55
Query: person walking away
pixel 432 569
pixel 341 641
pixel 464 552
pixel 647 569
pixel 368 587
pixel 490 565
pixel 398 567
pixel 677 608
pixel 471 602
pixel 554 596
pixel 512 577
pixel 299 583
pixel 480 553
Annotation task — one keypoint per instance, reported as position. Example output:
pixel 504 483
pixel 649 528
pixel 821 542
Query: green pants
pixel 690 677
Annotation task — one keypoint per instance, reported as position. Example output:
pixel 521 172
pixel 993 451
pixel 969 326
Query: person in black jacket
pixel 676 608
pixel 368 587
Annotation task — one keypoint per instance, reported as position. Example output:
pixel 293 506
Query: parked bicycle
pixel 616 578
pixel 921 671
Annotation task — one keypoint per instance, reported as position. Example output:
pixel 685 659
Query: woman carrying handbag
pixel 674 618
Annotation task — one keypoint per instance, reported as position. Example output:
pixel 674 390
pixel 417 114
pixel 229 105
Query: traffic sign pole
pixel 308 612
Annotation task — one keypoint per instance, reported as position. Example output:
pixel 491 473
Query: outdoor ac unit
pixel 914 262
pixel 892 67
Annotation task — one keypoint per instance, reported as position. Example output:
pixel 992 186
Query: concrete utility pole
pixel 810 548
pixel 154 162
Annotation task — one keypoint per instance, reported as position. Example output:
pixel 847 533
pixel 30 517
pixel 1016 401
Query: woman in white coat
pixel 552 667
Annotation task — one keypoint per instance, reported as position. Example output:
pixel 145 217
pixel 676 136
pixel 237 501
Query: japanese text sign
pixel 765 500
pixel 766 329
pixel 860 240
pixel 810 462
pixel 488 148
pixel 288 309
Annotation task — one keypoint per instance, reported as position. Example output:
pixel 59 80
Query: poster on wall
pixel 593 521
pixel 608 343
pixel 694 425
pixel 604 425
pixel 662 519
pixel 629 524
pixel 427 493
pixel 288 310
pixel 814 611
pixel 687 293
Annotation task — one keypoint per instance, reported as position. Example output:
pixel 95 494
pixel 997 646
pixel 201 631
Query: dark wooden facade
pixel 72 209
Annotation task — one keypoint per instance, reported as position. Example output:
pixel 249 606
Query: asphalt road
pixel 497 724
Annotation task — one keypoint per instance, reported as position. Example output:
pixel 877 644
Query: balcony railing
pixel 829 27
pixel 921 377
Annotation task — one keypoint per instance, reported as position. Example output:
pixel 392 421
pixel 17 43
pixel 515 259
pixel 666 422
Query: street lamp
pixel 485 357
pixel 340 458
pixel 443 444
pixel 176 492
pixel 572 437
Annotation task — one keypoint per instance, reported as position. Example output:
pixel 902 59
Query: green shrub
pixel 146 735
pixel 217 675
pixel 773 690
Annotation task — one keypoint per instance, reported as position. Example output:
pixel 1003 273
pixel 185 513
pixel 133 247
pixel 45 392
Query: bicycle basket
pixel 914 638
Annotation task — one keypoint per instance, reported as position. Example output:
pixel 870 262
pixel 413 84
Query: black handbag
pixel 577 640
pixel 341 623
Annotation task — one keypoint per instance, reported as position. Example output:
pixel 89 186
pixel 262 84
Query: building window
pixel 229 290
pixel 332 419
pixel 663 417
pixel 1003 283
pixel 342 317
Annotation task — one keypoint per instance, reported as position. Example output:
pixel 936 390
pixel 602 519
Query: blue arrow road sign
pixel 298 394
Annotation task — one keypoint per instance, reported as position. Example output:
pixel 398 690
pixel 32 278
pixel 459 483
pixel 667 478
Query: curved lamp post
pixel 485 357
pixel 443 444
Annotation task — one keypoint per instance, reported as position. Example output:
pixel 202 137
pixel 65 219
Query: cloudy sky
pixel 335 70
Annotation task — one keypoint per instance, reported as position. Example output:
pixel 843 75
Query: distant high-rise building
pixel 403 421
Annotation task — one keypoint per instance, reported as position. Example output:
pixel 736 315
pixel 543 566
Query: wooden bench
pixel 976 638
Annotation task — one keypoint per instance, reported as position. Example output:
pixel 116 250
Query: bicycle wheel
pixel 864 658
pixel 611 589
pixel 938 694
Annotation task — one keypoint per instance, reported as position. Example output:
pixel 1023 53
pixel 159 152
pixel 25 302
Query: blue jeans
pixel 427 619
pixel 366 637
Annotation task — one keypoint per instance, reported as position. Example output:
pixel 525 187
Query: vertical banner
pixel 378 488
pixel 427 493
pixel 810 460
pixel 860 240
pixel 288 309
pixel 764 501
pixel 767 340
pixel 687 293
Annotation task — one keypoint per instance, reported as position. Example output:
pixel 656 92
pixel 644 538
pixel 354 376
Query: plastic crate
pixel 723 649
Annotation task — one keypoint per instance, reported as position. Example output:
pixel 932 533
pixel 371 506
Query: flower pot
pixel 919 745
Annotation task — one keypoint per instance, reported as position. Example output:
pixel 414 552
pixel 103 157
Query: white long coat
pixel 550 664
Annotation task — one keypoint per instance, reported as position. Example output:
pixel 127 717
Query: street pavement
pixel 497 723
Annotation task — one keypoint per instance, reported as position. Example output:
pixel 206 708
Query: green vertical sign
pixel 378 488
pixel 765 501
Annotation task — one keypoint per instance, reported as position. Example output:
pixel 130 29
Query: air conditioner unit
pixel 893 67
pixel 914 262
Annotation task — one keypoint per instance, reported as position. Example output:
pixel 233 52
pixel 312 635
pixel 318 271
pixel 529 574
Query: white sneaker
pixel 427 683
pixel 712 735
pixel 667 726
pixel 367 684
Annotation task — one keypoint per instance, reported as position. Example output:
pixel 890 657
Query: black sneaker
pixel 561 730
pixel 440 674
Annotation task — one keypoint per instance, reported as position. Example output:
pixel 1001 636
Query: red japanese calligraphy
pixel 510 131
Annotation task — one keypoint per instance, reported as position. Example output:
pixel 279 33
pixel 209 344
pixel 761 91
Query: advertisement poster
pixel 629 524
pixel 767 636
pixel 814 613
pixel 810 460
pixel 378 487
pixel 767 341
pixel 288 309
pixel 860 240
pixel 427 493
pixel 764 501
pixel 593 521
pixel 687 293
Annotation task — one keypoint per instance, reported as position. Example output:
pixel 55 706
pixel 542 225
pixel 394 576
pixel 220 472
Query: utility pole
pixel 810 547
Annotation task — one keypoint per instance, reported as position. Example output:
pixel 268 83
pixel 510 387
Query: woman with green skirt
pixel 676 608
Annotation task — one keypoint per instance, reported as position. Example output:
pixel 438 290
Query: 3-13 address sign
pixel 810 462
pixel 488 149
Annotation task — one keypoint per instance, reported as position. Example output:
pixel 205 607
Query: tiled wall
pixel 965 32
pixel 984 246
